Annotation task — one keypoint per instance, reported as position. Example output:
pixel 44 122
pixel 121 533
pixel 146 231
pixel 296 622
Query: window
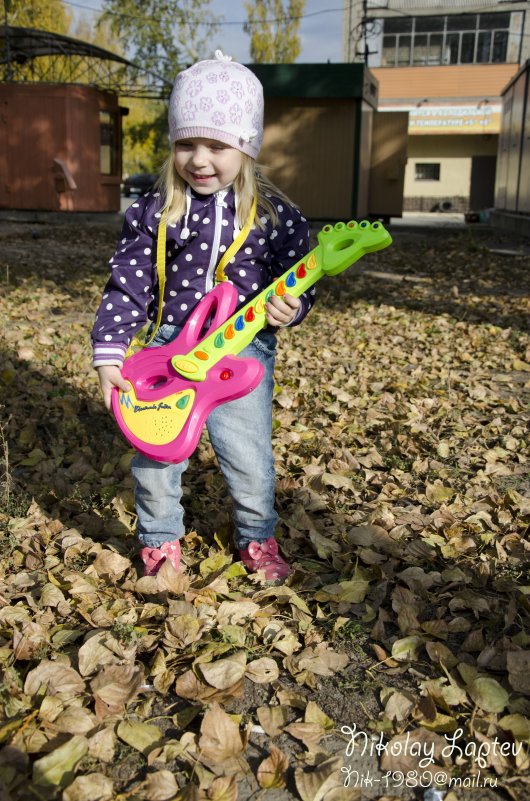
pixel 398 24
pixel 455 39
pixel 427 172
pixel 107 143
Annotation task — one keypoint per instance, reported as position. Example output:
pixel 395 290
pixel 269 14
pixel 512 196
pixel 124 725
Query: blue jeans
pixel 241 436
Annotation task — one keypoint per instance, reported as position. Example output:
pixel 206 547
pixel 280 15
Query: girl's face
pixel 207 165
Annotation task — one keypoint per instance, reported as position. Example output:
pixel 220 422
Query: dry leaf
pixel 262 671
pixel 111 565
pixel 160 786
pixel 92 787
pixel 236 613
pixel 518 663
pixel 313 714
pixel 309 733
pixel 56 678
pixel 273 719
pixel 320 659
pixel 225 673
pixel 312 785
pixel 142 736
pixel 271 772
pixel 220 737
pixel 488 694
pixel 399 706
pixel 224 788
pixel 102 744
pixel 114 687
pixel 57 768
pixel 29 641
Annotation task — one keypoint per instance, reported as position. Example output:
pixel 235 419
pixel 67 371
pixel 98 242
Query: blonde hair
pixel 249 183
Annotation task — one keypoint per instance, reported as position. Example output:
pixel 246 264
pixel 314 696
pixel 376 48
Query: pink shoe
pixel 264 556
pixel 153 558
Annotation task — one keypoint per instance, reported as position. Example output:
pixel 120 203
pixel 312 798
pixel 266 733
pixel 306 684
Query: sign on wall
pixel 455 119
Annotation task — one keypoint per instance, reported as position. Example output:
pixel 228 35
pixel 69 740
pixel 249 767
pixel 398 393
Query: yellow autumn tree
pixel 273 26
pixel 43 15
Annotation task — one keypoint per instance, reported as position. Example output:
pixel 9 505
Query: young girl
pixel 206 193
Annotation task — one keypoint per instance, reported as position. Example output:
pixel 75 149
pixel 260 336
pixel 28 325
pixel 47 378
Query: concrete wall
pixel 454 154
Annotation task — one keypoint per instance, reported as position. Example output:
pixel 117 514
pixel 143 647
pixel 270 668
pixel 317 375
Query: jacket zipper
pixel 219 203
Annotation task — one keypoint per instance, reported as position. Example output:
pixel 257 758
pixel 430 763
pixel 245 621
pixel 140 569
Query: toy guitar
pixel 177 385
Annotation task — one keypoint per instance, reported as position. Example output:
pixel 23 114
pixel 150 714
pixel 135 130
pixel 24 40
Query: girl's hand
pixel 110 376
pixel 281 311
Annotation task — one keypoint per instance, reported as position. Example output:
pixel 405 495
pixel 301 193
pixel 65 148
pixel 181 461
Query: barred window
pixel 427 172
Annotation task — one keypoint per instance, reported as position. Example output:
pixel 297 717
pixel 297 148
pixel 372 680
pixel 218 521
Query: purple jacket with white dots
pixel 194 246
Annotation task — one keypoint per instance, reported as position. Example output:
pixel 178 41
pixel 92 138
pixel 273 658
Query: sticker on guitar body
pixel 164 420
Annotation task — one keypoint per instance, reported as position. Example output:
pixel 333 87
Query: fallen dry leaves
pixel 401 435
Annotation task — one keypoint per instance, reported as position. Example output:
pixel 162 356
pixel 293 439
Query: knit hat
pixel 218 99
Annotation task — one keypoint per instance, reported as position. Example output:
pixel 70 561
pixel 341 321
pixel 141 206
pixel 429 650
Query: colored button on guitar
pixel 301 271
pixel 290 281
pixel 280 288
pixel 229 331
pixel 200 354
pixel 186 366
pixel 260 306
pixel 219 341
pixel 239 323
pixel 249 315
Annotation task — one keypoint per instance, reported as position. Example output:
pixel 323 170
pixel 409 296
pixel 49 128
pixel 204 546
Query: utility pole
pixel 364 51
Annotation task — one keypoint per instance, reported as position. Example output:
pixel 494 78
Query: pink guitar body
pixel 174 409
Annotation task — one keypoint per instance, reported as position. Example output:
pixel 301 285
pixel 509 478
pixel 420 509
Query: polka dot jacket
pixel 194 247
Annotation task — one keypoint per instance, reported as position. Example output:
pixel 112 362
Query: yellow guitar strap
pixel 161 271
pixel 236 244
pixel 137 343
pixel 141 340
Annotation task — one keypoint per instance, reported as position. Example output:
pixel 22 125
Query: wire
pixel 222 23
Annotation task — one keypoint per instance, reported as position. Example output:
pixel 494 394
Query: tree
pixel 44 15
pixel 273 30
pixel 162 36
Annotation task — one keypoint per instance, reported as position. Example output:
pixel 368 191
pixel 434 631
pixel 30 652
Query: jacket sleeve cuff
pixel 108 354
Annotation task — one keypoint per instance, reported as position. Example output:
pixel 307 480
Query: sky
pixel 320 29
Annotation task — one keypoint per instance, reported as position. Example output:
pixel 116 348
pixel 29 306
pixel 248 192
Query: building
pixel 512 187
pixel 446 64
pixel 318 134
pixel 60 129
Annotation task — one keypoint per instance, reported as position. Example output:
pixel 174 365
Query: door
pixel 482 190
pixel 387 168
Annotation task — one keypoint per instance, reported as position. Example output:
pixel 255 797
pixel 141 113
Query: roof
pixel 55 58
pixel 24 44
pixel 346 80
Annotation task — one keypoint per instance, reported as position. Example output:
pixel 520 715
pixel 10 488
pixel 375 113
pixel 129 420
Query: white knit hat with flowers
pixel 218 99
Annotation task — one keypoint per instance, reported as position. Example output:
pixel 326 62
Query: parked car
pixel 139 183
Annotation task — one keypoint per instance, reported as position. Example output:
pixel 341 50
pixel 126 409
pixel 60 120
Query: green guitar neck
pixel 339 247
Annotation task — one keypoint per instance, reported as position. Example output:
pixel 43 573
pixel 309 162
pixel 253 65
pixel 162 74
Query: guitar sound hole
pixel 156 382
